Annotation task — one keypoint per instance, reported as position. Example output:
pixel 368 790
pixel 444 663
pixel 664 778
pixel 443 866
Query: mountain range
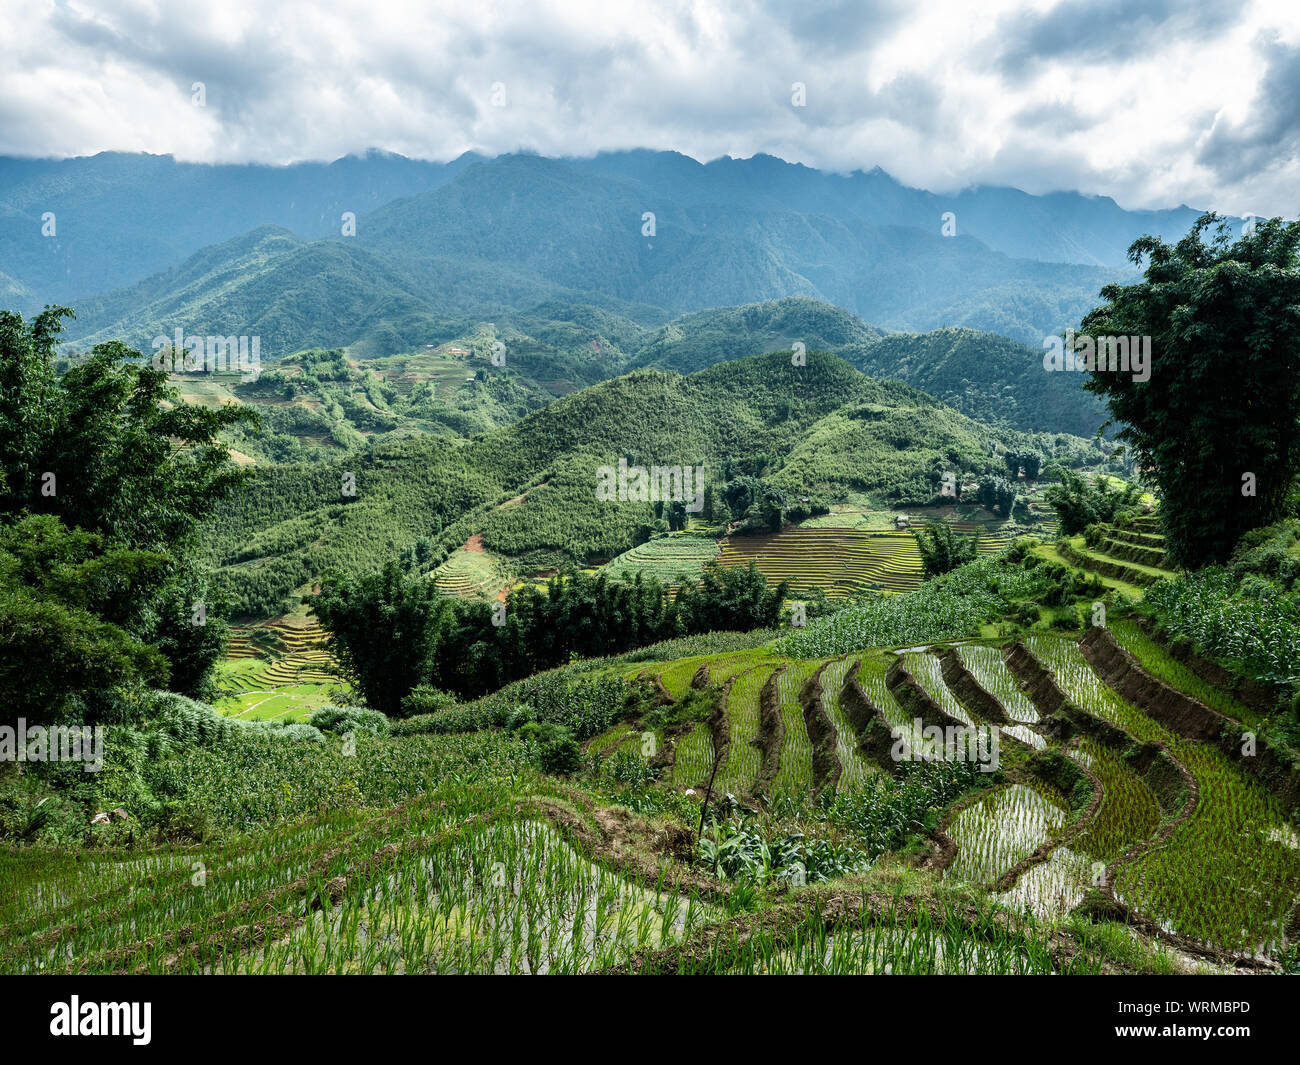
pixel 141 244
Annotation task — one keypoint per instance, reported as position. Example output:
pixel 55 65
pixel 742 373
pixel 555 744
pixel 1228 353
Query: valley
pixel 937 662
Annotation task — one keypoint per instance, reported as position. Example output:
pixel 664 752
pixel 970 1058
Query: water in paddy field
pixel 1002 828
pixel 1025 735
pixel 1051 888
pixel 985 664
pixel 872 679
pixel 928 671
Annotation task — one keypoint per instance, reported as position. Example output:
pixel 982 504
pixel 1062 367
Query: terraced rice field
pixel 844 561
pixel 1052 887
pixel 1225 877
pixel 795 772
pixel 928 673
pixel 1129 812
pixel 677 677
pixel 854 767
pixel 909 940
pixel 671 560
pixel 871 676
pixel 694 757
pixel 609 739
pixel 986 666
pixel 743 757
pixel 1002 828
pixel 841 562
pixel 1106 559
pixel 468 575
pixel 1163 666
pixel 728 666
pixel 286 676
pixel 429 888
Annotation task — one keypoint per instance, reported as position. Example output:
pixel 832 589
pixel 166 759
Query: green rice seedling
pixel 743 759
pixel 1224 877
pixel 986 666
pixel 1002 828
pixel 1163 666
pixel 1129 811
pixel 1051 888
pixel 927 671
pixel 694 757
pixel 854 767
pixel 907 940
pixel 794 775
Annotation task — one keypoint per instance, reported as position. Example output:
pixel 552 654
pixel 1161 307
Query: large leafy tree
pixel 1079 503
pixel 123 472
pixel 68 603
pixel 943 550
pixel 1215 426
pixel 393 631
pixel 385 629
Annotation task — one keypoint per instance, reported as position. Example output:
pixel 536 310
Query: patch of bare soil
pixel 969 691
pixel 875 737
pixel 822 734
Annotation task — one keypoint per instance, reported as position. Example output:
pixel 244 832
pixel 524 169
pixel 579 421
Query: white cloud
pixel 1153 102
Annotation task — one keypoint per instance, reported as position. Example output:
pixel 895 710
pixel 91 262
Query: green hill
pixel 529 488
pixel 985 376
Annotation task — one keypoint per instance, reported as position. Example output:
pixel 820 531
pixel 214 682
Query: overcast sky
pixel 1153 102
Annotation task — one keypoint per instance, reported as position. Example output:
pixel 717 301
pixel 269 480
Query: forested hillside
pixel 985 376
pixel 821 429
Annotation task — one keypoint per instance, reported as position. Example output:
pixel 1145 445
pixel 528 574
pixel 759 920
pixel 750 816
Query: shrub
pixel 626 766
pixel 556 750
pixel 295 731
pixel 341 719
pixel 426 699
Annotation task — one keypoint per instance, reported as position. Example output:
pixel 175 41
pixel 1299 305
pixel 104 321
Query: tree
pixel 1079 504
pixel 731 599
pixel 773 509
pixel 996 493
pixel 741 493
pixel 1214 425
pixel 942 549
pixel 68 600
pixel 108 449
pixel 384 629
pixel 677 515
